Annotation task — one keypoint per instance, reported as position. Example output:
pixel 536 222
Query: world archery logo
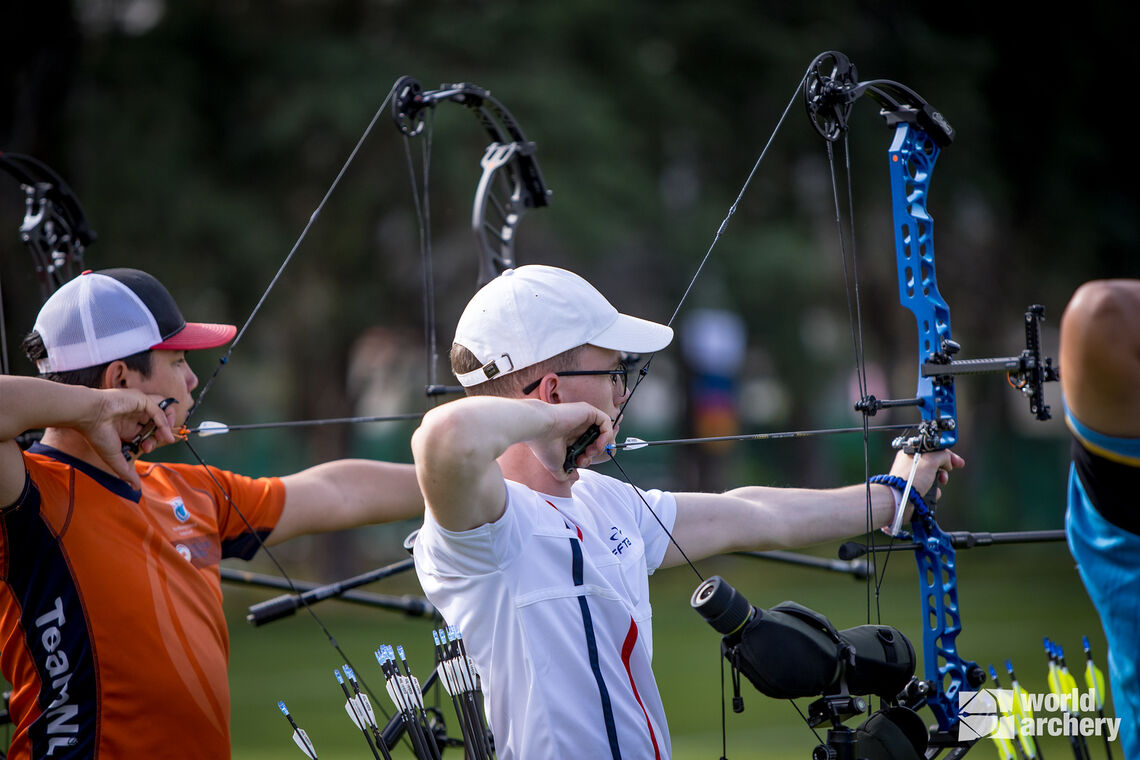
pixel 985 713
pixel 179 508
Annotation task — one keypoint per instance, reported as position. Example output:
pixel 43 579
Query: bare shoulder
pixel 1100 356
pixel 12 473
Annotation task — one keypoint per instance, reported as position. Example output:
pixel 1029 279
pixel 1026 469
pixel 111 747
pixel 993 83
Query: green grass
pixel 1010 598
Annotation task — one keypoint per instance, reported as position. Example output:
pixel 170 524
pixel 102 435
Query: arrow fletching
pixel 630 444
pixel 1094 678
pixel 210 427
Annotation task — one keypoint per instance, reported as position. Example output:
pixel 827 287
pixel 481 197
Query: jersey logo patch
pixel 618 541
pixel 184 550
pixel 180 511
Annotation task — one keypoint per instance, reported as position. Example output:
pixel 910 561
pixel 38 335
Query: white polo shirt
pixel 553 603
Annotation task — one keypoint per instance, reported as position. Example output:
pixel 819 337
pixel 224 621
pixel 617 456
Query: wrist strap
pixel 899 485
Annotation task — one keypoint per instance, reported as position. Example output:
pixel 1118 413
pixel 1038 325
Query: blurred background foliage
pixel 201 135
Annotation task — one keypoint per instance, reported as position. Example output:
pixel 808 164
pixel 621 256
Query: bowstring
pixel 225 360
pixel 296 245
pixel 644 371
pixel 288 580
pixel 422 206
pixel 848 254
pixel 854 304
pixel 421 201
pixel 3 332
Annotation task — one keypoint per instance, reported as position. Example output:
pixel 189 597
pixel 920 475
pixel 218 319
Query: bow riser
pixel 938 596
pixel 912 157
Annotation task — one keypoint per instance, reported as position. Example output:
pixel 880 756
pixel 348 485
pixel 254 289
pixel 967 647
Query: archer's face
pixel 606 392
pixel 170 377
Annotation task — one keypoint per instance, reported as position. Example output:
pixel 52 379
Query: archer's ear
pixel 116 375
pixel 548 389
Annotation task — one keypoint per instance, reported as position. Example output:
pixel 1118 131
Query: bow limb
pixel 511 181
pixel 920 132
pixel 510 184
pixel 54 228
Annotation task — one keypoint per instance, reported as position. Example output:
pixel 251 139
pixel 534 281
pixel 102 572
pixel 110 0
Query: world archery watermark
pixel 1005 714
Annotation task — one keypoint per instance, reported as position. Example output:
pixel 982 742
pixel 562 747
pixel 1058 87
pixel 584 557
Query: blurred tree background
pixel 201 135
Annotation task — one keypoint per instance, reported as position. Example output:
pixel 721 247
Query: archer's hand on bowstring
pixel 120 416
pixel 568 423
pixel 932 466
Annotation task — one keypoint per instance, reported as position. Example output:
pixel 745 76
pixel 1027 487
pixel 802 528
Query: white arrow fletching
pixel 366 705
pixel 351 708
pixel 446 676
pixel 394 693
pixel 209 427
pixel 472 674
pixel 302 741
pixel 632 444
pixel 414 685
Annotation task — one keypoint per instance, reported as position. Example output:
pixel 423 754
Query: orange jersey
pixel 111 623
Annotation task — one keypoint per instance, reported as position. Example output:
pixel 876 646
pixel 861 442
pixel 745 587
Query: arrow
pixel 207 428
pixel 1006 746
pixel 356 713
pixel 1094 679
pixel 299 736
pixel 1022 710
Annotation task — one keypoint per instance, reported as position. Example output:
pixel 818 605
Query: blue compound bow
pixel 920 133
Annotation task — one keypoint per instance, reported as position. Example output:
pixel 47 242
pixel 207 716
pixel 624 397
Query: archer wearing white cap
pixel 111 619
pixel 545 568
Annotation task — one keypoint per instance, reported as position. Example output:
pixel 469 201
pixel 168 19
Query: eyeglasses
pixel 621 372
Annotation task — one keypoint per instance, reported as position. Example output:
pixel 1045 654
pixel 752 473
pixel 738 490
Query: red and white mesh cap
pixel 529 314
pixel 102 316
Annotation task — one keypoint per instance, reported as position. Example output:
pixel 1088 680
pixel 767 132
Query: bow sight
pixel 1027 372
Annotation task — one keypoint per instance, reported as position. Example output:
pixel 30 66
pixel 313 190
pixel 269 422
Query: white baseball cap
pixel 102 316
pixel 529 314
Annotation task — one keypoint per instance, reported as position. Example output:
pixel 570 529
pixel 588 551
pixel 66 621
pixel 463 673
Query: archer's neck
pixel 73 444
